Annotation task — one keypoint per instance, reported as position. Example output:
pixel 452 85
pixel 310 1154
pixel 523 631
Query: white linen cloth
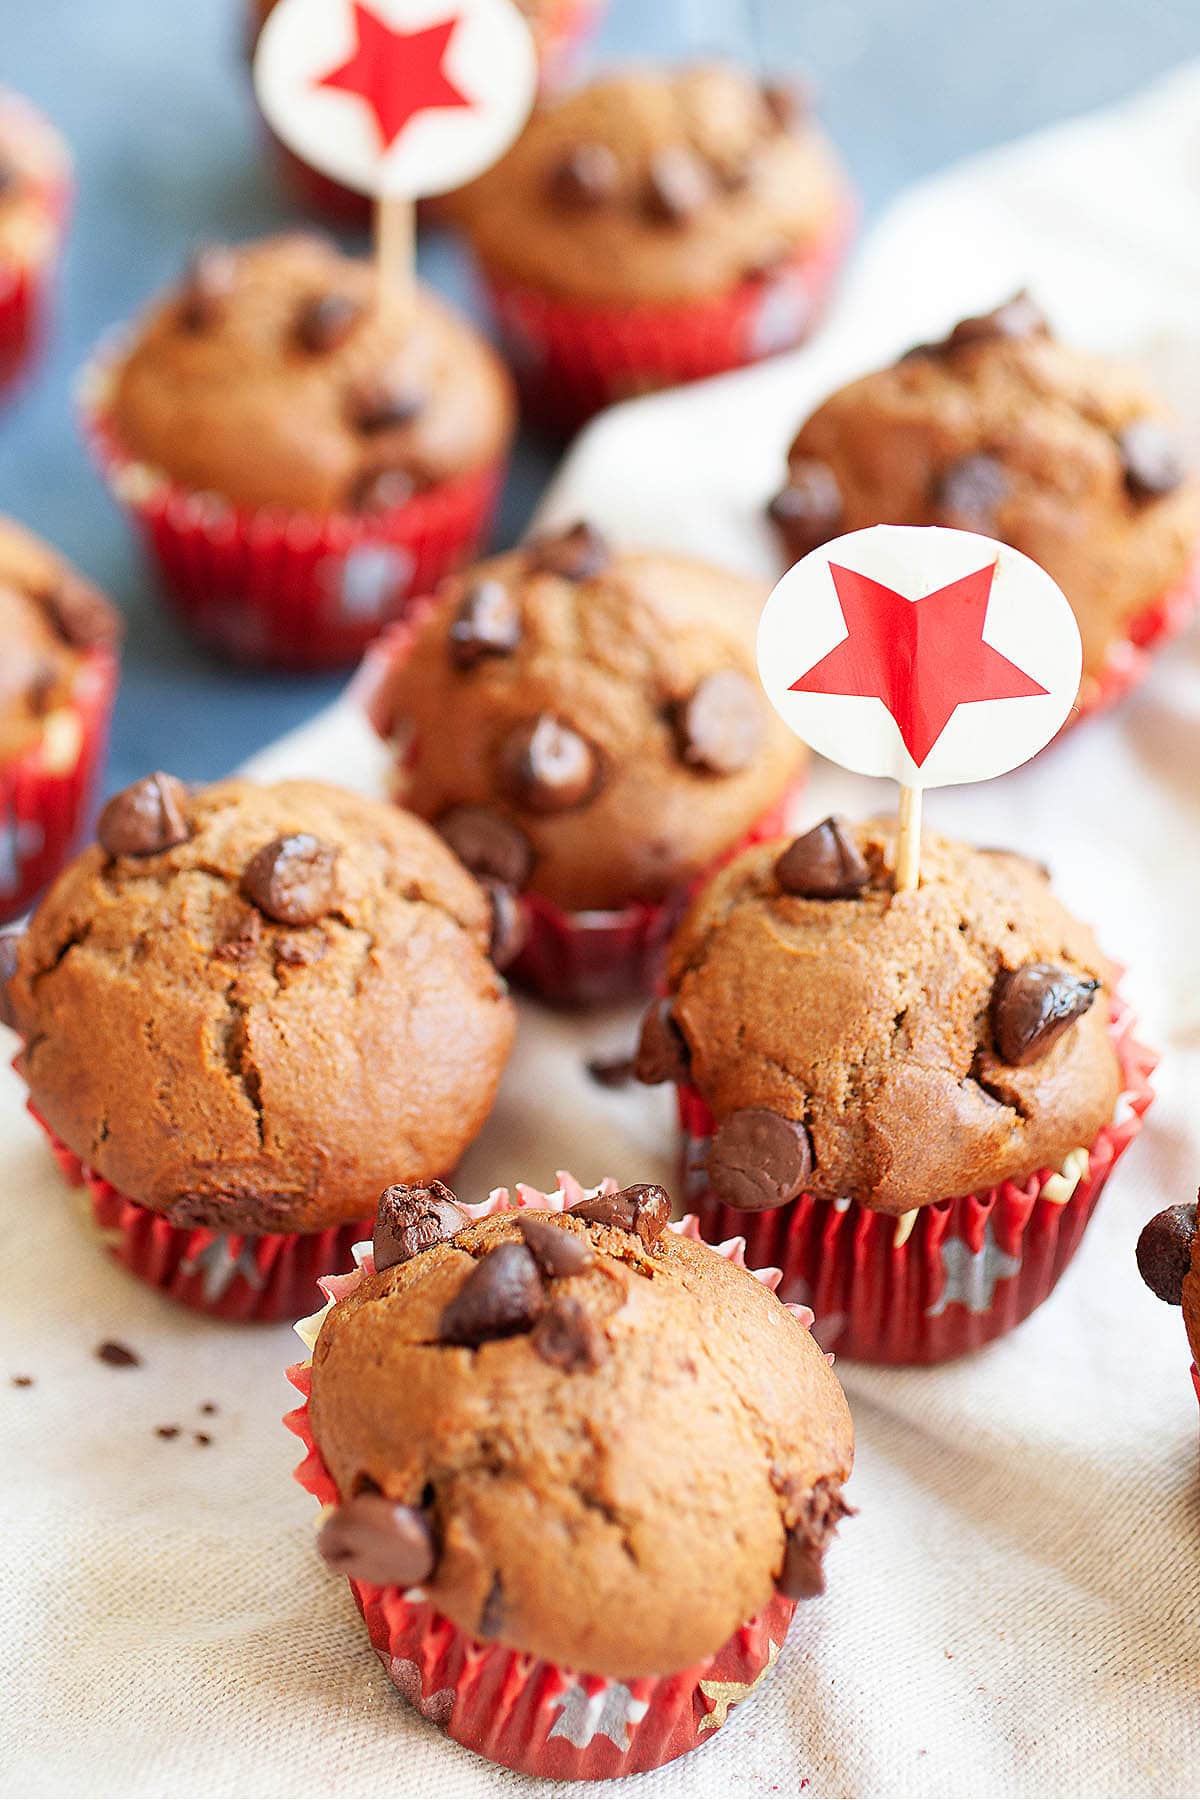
pixel 1016 1609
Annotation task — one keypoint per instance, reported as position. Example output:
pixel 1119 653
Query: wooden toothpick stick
pixel 395 252
pixel 908 841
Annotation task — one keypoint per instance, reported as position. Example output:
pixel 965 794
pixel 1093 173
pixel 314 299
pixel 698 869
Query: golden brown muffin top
pixel 249 1007
pixel 34 165
pixel 50 618
pixel 607 1446
pixel 274 377
pixel 600 708
pixel 655 185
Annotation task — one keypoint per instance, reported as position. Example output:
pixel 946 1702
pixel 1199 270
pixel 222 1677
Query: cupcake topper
pixel 396 99
pixel 928 655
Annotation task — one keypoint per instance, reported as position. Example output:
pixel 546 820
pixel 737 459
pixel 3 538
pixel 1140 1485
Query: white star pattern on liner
pixel 607 1713
pixel 368 581
pixel 971 1275
pixel 19 840
pixel 725 1694
pixel 219 1265
pixel 406 1678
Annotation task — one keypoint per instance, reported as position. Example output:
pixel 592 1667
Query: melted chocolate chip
pixel 324 322
pixel 969 491
pixel 207 285
pixel 374 1539
pixel 291 879
pixel 383 405
pixel 803 1574
pixel 502 1296
pixel 146 818
pixel 824 864
pixel 81 616
pixel 382 490
pixel 510 925
pixel 560 1252
pixel 1164 1252
pixel 644 1210
pixel 758 1159
pixel 576 554
pixel 568 1338
pixel 491 847
pixel 117 1355
pixel 1151 461
pixel 662 1052
pixel 1033 1006
pixel 586 176
pixel 487 623
pixel 1018 318
pixel 719 728
pixel 10 950
pixel 808 511
pixel 611 1071
pixel 678 184
pixel 409 1220
pixel 549 767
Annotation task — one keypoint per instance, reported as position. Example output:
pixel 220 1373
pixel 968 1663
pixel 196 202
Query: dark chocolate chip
pixel 243 940
pixel 824 864
pixel 549 767
pixel 1151 460
pixel 207 285
pixel 491 1619
pixel 383 406
pixel 968 492
pixel 568 1338
pixel 1164 1252
pixel 116 1355
pixel 382 490
pixel 559 1251
pixel 410 1219
pixel 491 847
pixel 292 879
pixel 325 322
pixel 10 950
pixel 209 1407
pixel 611 1071
pixel 803 1574
pixel 787 103
pixel 643 1209
pixel 720 726
pixel 510 925
pixel 146 818
pixel 1033 1006
pixel 678 185
pixel 586 176
pixel 201 1437
pixel 166 1431
pixel 502 1296
pixel 662 1052
pixel 82 617
pixel 758 1159
pixel 576 554
pixel 487 623
pixel 808 511
pixel 372 1538
pixel 22 1381
pixel 1017 318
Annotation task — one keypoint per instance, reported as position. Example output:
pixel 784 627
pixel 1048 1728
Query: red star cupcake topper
pixel 397 73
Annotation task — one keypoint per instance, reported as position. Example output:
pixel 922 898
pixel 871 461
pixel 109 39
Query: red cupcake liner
pixel 527 1714
pixel 288 590
pixel 46 789
pixel 570 359
pixel 1128 660
pixel 26 286
pixel 228 1275
pixel 959 1273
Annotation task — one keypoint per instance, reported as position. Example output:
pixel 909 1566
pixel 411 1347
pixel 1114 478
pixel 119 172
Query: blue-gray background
pixel 154 98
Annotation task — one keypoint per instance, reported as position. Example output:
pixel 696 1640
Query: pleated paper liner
pixel 26 282
pixel 514 1709
pixel 945 1279
pixel 1130 657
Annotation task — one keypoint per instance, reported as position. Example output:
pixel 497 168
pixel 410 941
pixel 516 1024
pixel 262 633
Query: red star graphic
pixel 922 658
pixel 397 73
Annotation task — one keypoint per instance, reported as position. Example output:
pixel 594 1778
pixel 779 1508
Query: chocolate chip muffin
pixel 1168 1259
pixel 1001 429
pixel 35 185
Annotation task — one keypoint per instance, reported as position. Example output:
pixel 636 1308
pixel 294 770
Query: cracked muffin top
pixel 246 1007
pixel 1168 1257
pixel 273 377
pixel 34 171
pixel 50 619
pixel 655 185
pixel 581 1434
pixel 890 1048
pixel 1002 430
pixel 587 724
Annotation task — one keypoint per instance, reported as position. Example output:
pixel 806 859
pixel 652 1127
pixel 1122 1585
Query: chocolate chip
pixel 10 951
pixel 662 1053
pixel 410 1219
pixel 611 1071
pixel 1164 1252
pixel 291 879
pixel 1032 1007
pixel 201 1437
pixel 576 554
pixel 643 1210
pixel 758 1159
pixel 1017 318
pixel 146 818
pixel 786 102
pixel 549 768
pixel 325 322
pixel 166 1431
pixel 299 953
pixel 209 1407
pixel 803 1574
pixel 678 185
pixel 382 490
pixel 503 1295
pixel 808 511
pixel 560 1252
pixel 491 847
pixel 372 1538
pixel 824 864
pixel 383 406
pixel 21 1381
pixel 586 176
pixel 510 925
pixel 487 623
pixel 207 285
pixel 243 941
pixel 719 728
pixel 117 1356
pixel 1150 460
pixel 568 1338
pixel 82 617
pixel 969 491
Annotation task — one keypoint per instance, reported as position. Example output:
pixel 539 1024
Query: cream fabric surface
pixel 1016 1609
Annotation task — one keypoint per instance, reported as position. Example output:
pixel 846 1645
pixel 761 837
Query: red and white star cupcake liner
pixel 1129 658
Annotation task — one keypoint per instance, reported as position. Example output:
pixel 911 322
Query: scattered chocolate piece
pixel 644 1210
pixel 166 1431
pixel 375 1539
pixel 491 847
pixel 207 285
pixel 787 103
pixel 824 864
pixel 576 554
pixel 1150 460
pixel 1032 1007
pixel 808 509
pixel 758 1159
pixel 968 492
pixel 719 728
pixel 803 1574
pixel 662 1053
pixel 559 1251
pixel 22 1381
pixel 384 405
pixel 677 186
pixel 568 1338
pixel 201 1437
pixel 611 1071
pixel 208 1408
pixel 510 925
pixel 586 176
pixel 244 940
pixel 117 1356
pixel 503 1295
pixel 325 321
pixel 492 1616
pixel 487 623
pixel 291 879
pixel 82 617
pixel 411 1219
pixel 146 818
pixel 382 490
pixel 1164 1252
pixel 10 946
pixel 549 767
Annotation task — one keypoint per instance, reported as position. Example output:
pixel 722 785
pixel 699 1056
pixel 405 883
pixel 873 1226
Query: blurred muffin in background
pixel 35 195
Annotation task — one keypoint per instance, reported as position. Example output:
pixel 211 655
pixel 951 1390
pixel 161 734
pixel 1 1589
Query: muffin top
pixel 50 619
pixel 585 723
pixel 1168 1256
pixel 34 172
pixel 653 185
pixel 890 1048
pixel 582 1434
pixel 1002 430
pixel 274 377
pixel 247 1007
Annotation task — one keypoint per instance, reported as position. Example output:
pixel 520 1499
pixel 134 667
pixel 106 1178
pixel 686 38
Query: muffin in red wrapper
pixel 910 1102
pixel 35 198
pixel 655 227
pixel 502 1414
pixel 1168 1259
pixel 300 458
pixel 1000 429
pixel 58 675
pixel 610 744
pixel 240 1010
